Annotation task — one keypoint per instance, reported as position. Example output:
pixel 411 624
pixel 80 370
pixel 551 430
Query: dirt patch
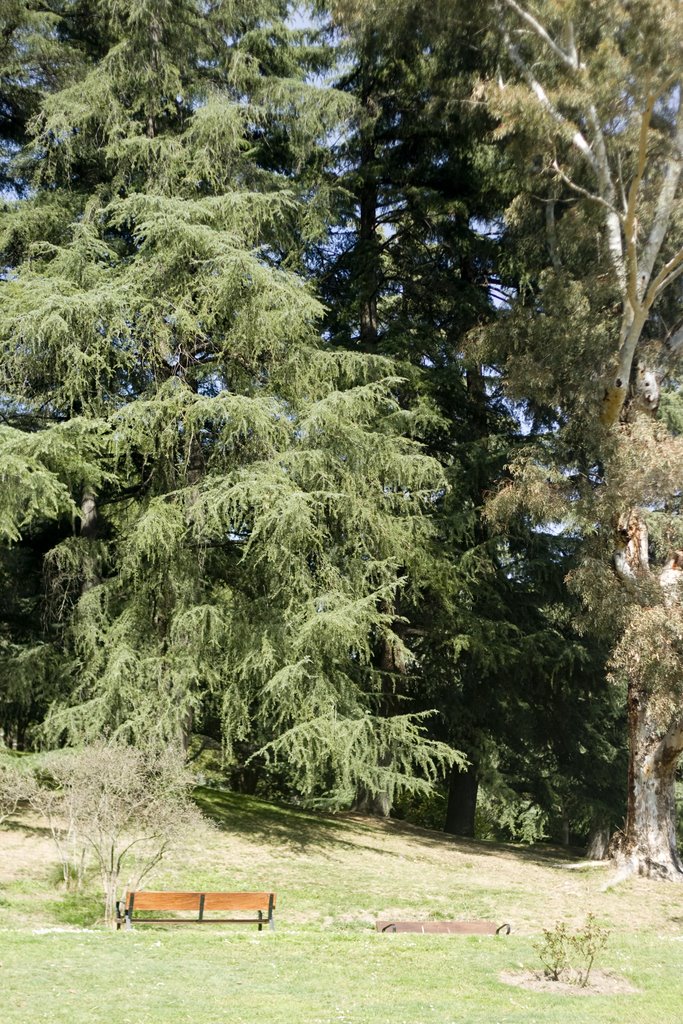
pixel 24 853
pixel 600 983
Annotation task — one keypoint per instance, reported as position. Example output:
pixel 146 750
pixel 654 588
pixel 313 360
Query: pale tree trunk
pixel 648 845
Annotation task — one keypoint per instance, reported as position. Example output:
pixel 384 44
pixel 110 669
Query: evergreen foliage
pixel 409 267
pixel 305 339
pixel 252 494
pixel 588 108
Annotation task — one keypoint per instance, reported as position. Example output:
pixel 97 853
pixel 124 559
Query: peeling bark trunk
pixel 462 801
pixel 648 845
pixel 637 223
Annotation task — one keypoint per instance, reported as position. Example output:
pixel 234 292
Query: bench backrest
pixel 144 900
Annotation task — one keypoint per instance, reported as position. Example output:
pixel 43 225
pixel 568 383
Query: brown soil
pixel 24 852
pixel 600 983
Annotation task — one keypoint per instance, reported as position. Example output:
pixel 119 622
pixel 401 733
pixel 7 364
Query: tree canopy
pixel 339 385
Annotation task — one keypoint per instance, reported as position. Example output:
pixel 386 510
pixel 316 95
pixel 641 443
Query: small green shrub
pixel 569 956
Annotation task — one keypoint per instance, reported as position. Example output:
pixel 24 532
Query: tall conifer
pixel 241 533
pixel 409 267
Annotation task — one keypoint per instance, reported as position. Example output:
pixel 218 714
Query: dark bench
pixel 445 927
pixel 199 904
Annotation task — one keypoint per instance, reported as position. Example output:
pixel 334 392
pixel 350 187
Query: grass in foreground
pixel 325 964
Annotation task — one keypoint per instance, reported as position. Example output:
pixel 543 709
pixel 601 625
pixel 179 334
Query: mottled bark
pixel 638 212
pixel 648 845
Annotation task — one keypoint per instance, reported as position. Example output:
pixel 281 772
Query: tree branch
pixel 596 154
pixel 582 191
pixel 665 204
pixel 630 221
pixel 578 140
pixel 569 60
pixel 608 192
pixel 669 272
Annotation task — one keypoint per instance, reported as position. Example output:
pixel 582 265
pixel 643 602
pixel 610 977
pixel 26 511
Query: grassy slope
pixel 325 964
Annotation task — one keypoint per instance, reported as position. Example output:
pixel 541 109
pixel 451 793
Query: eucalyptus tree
pixel 588 100
pixel 253 493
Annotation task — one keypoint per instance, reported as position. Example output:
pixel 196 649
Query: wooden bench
pixel 444 927
pixel 199 904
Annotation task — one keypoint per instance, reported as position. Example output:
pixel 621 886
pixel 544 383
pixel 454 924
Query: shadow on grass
pixel 13 825
pixel 545 856
pixel 298 829
pixel 277 824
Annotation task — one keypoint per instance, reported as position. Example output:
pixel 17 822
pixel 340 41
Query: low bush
pixel 569 956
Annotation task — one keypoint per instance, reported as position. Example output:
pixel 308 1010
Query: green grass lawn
pixel 325 963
